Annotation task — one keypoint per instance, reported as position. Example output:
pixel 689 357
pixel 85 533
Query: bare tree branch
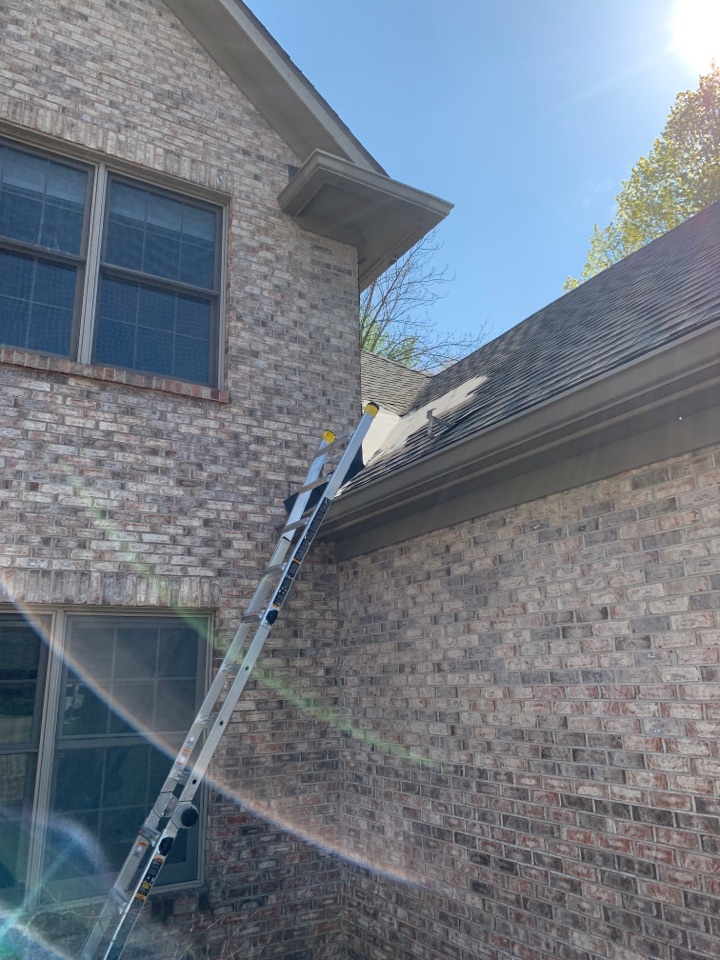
pixel 394 318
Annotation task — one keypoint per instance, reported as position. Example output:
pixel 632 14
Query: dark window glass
pixel 42 202
pixel 158 273
pixel 154 330
pixel 21 666
pixel 158 328
pixel 161 236
pixel 128 697
pixel 36 303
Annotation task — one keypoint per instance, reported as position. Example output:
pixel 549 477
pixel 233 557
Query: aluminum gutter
pixel 663 404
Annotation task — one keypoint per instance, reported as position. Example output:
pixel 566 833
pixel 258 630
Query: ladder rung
pixel 322 481
pixel 275 569
pixel 251 618
pixel 119 897
pixel 150 833
pixel 231 669
pixel 295 526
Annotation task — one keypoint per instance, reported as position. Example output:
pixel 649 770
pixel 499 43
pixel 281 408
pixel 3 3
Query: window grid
pixel 43 247
pixel 98 783
pixel 132 237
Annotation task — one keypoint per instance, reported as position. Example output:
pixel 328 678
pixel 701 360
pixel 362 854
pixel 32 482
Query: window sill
pixel 93 371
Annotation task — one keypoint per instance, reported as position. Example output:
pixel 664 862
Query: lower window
pixel 93 709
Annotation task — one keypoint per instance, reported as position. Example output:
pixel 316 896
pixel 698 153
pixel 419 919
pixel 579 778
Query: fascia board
pixel 258 66
pixel 374 186
pixel 672 374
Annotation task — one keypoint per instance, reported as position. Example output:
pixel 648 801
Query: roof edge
pixel 668 386
pixel 256 63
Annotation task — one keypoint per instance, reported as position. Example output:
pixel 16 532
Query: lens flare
pixel 14 931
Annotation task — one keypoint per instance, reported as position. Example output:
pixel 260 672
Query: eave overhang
pixel 339 200
pixel 659 406
pixel 260 68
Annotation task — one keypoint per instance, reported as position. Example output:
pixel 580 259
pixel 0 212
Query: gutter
pixel 661 405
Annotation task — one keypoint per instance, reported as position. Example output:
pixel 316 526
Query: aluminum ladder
pixel 174 809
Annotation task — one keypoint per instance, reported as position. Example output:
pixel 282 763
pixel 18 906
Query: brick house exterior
pixel 151 155
pixel 530 593
pixel 486 725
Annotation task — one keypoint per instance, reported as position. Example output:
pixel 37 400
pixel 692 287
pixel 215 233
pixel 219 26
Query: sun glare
pixel 696 32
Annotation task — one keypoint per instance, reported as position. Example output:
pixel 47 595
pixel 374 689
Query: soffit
pixel 383 218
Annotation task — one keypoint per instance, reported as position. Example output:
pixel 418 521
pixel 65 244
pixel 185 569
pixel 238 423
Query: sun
pixel 696 32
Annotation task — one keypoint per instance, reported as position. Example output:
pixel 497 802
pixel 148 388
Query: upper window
pixel 100 268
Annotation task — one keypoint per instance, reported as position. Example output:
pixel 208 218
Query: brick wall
pixel 534 772
pixel 149 494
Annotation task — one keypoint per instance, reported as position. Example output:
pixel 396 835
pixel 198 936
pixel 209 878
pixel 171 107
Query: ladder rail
pixel 173 810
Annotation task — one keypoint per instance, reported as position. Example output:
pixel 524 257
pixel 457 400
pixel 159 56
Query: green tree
pixel 679 177
pixel 394 318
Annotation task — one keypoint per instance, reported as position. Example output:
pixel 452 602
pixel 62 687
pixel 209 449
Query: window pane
pixel 161 236
pixel 189 363
pixel 102 796
pixel 197 263
pixel 154 330
pixel 19 668
pixel 154 351
pixel 22 654
pixel 129 696
pixel 36 303
pixel 85 708
pixel 41 201
pixel 17 782
pixel 113 666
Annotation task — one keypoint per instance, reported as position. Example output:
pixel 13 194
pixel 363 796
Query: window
pixel 93 710
pixel 129 279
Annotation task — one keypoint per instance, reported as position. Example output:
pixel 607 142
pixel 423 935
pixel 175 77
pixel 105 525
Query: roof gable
pixel 233 36
pixel 340 191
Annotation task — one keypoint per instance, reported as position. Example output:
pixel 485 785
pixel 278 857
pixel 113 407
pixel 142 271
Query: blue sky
pixel 526 114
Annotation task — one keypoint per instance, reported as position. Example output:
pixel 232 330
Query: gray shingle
pixel 660 293
pixel 394 387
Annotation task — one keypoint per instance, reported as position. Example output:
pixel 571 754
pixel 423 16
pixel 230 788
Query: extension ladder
pixel 174 810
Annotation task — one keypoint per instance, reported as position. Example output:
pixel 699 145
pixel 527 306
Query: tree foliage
pixel 679 177
pixel 394 318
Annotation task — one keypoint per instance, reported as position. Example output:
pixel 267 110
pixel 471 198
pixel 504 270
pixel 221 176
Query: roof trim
pixel 260 68
pixel 341 201
pixel 666 391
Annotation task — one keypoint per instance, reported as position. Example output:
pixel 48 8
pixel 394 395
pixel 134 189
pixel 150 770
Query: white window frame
pixel 101 171
pixel 56 638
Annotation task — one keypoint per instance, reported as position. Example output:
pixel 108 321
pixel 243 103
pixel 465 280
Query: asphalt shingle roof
pixel 662 292
pixel 391 384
